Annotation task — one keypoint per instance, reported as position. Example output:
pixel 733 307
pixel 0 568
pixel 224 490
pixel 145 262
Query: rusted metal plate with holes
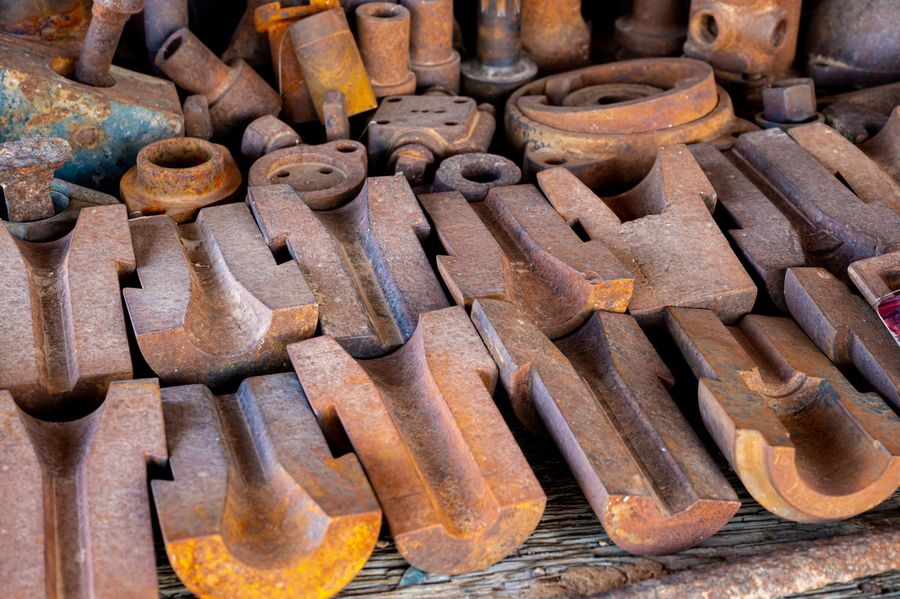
pixel 515 246
pixel 878 279
pixel 844 327
pixel 364 261
pixel 849 227
pixel 601 393
pixel 213 304
pixel 806 444
pixel 76 507
pixel 258 505
pixel 455 489
pixel 63 332
pixel 663 233
pixel 763 235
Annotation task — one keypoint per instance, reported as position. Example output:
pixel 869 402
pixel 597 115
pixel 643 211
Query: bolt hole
pixel 283 175
pixel 451 123
pixel 394 100
pixel 554 161
pixel 478 175
pixel 382 122
pixel 708 29
pixel 442 111
pixel 779 33
pixel 346 149
pixel 460 101
pixel 326 170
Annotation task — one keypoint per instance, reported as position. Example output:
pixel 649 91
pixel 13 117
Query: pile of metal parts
pixel 283 340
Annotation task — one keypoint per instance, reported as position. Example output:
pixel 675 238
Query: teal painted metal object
pixel 106 126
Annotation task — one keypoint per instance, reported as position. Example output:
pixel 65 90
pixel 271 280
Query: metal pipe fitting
pixel 555 35
pixel 382 29
pixel 108 18
pixel 654 28
pixel 432 57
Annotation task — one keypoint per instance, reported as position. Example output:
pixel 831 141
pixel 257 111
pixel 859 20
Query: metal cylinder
pixel 499 32
pixel 432 57
pixel 654 28
pixel 383 32
pixel 192 66
pixel 108 18
pixel 555 35
pixel 162 18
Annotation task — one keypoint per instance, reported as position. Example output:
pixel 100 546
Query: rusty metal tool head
pixel 274 19
pixel 178 176
pixel 409 133
pixel 197 122
pixel 750 37
pixel 329 57
pixel 236 93
pixel 601 394
pixel 49 20
pixel 844 328
pixel 26 169
pixel 849 228
pixel 606 122
pixel 807 445
pixel 325 176
pixel 76 520
pixel 364 260
pixel 514 246
pixel 653 28
pixel 555 35
pixel 382 29
pixel 214 305
pixel 878 279
pixel 267 134
pixel 499 66
pixel 456 491
pixel 693 267
pixel 108 18
pixel 474 174
pixel 431 54
pixel 789 103
pixel 258 506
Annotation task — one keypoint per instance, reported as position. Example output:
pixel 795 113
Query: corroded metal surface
pixel 806 444
pixel 844 328
pixel 383 32
pixel 76 518
pixel 236 93
pixel 431 128
pixel 197 122
pixel 884 146
pixel 258 505
pixel 364 261
pixel 606 122
pixel 653 28
pixel 878 279
pixel 789 103
pixel 63 332
pixel 474 174
pixel 246 43
pixel 214 305
pixel 335 117
pixel 108 18
pixel 601 393
pixel 161 19
pixel 858 114
pixel 325 176
pixel 514 246
pixel 26 169
pixel 694 267
pixel 45 19
pixel 265 135
pixel 178 176
pixel 555 35
pixel 431 54
pixel 456 491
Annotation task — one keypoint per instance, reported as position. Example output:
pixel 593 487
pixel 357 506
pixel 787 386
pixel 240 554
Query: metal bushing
pixel 475 174
pixel 383 32
pixel 432 57
pixel 178 176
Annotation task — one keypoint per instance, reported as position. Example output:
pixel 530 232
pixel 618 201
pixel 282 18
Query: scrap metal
pixel 859 114
pixel 383 32
pixel 265 135
pixel 214 305
pixel 162 18
pixel 789 103
pixel 108 18
pixel 455 488
pixel 474 174
pixel 363 260
pixel 197 122
pixel 653 28
pixel 431 54
pixel 26 169
pixel 554 34
pixel 878 279
pixel 258 505
pixel 806 444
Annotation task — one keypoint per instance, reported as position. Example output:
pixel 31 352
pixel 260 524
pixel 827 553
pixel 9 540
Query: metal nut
pixel 790 100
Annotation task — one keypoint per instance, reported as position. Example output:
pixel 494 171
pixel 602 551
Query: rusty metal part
pixel 847 228
pixel 499 66
pixel 26 169
pixel 653 28
pixel 64 335
pixel 855 42
pixel 601 393
pixel 474 174
pixel 329 57
pixel 844 328
pixel 258 505
pixel 555 35
pixel 409 133
pixel 781 572
pixel 246 43
pixel 364 260
pixel 860 114
pixel 789 103
pixel 267 134
pixel 76 520
pixel 694 267
pixel 870 180
pixel 106 126
pixel 197 122
pixel 162 18
pixel 806 444
pixel 382 29
pixel 236 94
pixel 214 305
pixel 43 19
pixel 606 122
pixel 432 57
pixel 456 490
pixel 884 146
pixel 274 19
pixel 178 176
pixel 878 279
pixel 334 116
pixel 108 18
pixel 751 37
pixel 325 176
pixel 514 246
